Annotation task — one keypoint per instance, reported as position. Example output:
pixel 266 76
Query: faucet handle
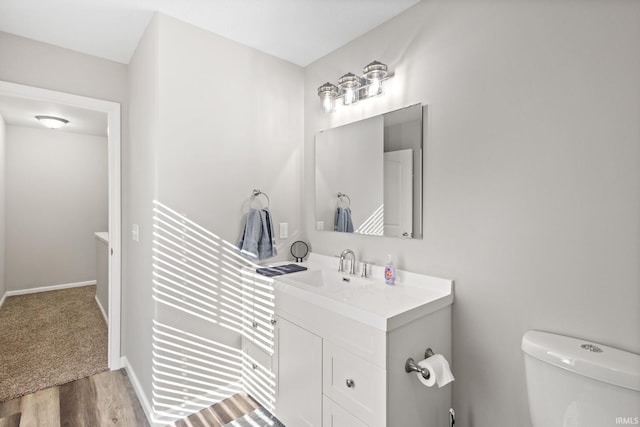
pixel 364 272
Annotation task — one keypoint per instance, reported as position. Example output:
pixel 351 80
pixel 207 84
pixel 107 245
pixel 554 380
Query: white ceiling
pixel 22 112
pixel 299 31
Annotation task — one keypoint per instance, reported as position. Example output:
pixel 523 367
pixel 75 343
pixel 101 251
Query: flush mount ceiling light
pixel 52 122
pixel 352 88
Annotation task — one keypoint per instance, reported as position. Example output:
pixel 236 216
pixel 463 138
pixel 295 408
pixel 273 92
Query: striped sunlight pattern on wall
pixel 199 280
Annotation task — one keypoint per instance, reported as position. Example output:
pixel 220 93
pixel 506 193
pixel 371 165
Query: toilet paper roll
pixel 432 378
pixel 439 371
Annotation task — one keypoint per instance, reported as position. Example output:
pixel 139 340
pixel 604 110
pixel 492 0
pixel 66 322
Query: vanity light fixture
pixel 52 122
pixel 352 88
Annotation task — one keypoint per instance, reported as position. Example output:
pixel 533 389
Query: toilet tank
pixel 577 383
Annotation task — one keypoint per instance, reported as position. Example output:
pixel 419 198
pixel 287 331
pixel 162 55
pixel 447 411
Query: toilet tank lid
pixel 611 365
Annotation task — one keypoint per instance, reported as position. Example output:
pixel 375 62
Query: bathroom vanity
pixel 340 343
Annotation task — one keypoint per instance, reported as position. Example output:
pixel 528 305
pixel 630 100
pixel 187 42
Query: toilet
pixel 577 383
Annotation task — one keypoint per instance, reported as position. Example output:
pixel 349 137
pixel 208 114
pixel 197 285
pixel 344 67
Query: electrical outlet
pixel 284 230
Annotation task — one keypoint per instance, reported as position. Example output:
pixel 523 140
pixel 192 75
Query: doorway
pixel 112 110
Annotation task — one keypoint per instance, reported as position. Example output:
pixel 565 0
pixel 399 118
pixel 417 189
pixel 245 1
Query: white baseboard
pixel 142 397
pixel 162 419
pixel 4 296
pixel 49 288
pixel 104 313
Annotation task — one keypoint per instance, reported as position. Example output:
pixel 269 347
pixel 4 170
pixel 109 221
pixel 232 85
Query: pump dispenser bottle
pixel 389 272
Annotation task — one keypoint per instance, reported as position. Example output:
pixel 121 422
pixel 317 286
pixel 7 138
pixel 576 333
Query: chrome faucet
pixel 343 255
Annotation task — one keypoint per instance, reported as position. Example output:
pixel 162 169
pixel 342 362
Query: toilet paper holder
pixel 411 366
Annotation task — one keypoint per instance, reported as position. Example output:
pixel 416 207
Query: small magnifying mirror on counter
pixel 299 250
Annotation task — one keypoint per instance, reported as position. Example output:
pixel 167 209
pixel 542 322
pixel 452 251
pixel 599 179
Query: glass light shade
pixel 328 104
pixel 52 122
pixel 375 87
pixel 375 72
pixel 350 96
pixel 349 85
pixel 327 93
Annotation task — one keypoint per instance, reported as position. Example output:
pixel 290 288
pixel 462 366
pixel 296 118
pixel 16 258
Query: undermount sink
pixel 330 280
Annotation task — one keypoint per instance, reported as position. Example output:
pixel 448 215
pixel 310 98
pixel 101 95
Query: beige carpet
pixel 50 338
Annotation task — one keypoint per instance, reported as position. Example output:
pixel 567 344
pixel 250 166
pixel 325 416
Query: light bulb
pixel 375 87
pixel 327 104
pixel 350 96
pixel 349 85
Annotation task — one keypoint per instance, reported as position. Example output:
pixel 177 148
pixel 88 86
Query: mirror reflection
pixel 369 176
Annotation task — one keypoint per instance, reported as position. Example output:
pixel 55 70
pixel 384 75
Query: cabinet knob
pixel 254 324
pixel 350 383
pixel 273 321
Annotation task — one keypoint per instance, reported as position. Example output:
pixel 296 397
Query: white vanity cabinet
pixel 338 349
pixel 361 368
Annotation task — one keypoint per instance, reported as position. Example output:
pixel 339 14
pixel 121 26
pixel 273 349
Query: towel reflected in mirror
pixel 342 221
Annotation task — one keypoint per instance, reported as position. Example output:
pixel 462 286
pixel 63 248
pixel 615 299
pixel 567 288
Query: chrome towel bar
pixel 255 193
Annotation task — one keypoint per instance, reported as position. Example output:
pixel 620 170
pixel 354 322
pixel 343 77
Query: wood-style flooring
pixel 234 409
pixel 108 399
pixel 104 399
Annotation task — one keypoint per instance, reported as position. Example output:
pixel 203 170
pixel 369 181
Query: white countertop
pixel 370 300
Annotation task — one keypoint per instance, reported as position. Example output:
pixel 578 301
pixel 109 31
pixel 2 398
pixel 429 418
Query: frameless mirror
pixel 369 176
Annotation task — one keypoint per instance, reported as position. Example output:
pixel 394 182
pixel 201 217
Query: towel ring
pixel 257 193
pixel 341 196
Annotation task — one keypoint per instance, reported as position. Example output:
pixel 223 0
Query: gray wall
pixel 208 124
pixel 231 120
pixel 138 307
pixel 56 198
pixel 3 286
pixel 532 176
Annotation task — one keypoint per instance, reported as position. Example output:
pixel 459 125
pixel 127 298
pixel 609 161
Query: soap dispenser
pixel 389 272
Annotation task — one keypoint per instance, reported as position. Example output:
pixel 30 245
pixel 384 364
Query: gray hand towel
pixel 248 243
pixel 267 243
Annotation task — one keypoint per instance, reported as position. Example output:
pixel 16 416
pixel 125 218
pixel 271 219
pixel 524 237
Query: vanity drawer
pixel 352 382
pixel 334 415
pixel 257 355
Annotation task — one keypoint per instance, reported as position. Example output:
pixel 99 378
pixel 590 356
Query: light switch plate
pixel 135 232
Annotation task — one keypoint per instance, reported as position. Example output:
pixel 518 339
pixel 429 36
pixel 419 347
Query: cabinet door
pixel 298 363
